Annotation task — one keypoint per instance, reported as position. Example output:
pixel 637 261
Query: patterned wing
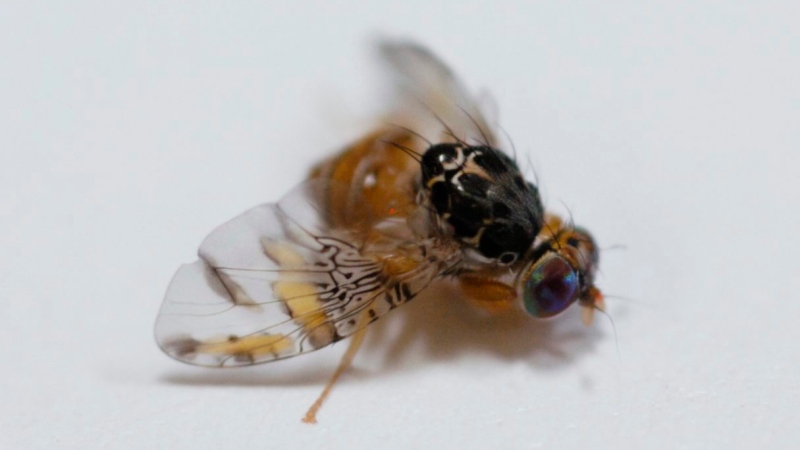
pixel 433 101
pixel 276 282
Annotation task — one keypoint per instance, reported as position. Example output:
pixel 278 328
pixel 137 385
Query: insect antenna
pixel 613 327
pixel 628 299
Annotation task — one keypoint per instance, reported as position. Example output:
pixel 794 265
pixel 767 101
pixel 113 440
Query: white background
pixel 130 130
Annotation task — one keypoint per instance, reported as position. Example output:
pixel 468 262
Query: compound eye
pixel 552 287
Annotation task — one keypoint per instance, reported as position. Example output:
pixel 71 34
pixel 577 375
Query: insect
pixel 429 196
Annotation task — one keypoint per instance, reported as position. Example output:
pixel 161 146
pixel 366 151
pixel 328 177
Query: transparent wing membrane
pixel 433 100
pixel 276 282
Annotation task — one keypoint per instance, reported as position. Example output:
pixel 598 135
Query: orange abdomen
pixel 371 180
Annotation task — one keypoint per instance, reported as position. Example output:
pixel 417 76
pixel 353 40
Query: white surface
pixel 131 130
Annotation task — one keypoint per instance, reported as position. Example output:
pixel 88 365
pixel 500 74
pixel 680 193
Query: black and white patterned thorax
pixel 482 199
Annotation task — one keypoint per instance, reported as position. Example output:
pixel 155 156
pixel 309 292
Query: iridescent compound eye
pixel 551 288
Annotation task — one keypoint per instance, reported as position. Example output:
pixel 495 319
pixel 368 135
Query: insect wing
pixel 276 282
pixel 429 89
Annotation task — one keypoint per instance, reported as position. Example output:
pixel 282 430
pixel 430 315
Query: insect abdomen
pixel 371 180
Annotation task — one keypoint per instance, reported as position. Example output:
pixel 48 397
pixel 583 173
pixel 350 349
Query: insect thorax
pixel 482 200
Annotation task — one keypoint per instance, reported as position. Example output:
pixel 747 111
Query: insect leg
pixel 347 359
pixel 487 293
